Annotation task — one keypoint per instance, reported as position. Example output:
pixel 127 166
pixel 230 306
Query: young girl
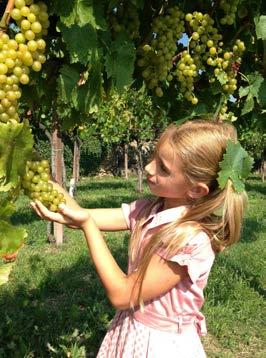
pixel 172 247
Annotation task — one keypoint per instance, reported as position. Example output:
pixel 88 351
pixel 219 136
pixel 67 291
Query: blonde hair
pixel 200 144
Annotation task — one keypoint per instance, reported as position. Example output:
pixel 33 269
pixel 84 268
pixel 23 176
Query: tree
pixel 130 119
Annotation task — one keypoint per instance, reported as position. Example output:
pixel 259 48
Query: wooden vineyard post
pixel 57 170
pixel 76 169
pixel 126 160
pixel 139 169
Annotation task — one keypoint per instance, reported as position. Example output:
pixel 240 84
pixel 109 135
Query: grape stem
pixel 6 16
pixel 216 116
pixel 176 57
pixel 243 77
pixel 188 44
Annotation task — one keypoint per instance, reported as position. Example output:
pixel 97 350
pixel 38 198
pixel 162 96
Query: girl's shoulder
pixel 132 210
pixel 197 254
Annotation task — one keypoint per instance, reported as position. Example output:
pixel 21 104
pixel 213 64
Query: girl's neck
pixel 169 203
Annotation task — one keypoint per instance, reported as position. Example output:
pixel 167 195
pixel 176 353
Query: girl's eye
pixel 163 167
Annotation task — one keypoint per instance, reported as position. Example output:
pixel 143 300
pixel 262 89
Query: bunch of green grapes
pixel 32 19
pixel 186 71
pixel 226 66
pixel 157 56
pixel 36 185
pixel 125 18
pixel 230 8
pixel 205 39
pixel 20 54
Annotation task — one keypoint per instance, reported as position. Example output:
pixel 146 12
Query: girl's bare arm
pixel 121 289
pixel 106 219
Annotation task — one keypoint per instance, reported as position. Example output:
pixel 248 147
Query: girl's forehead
pixel 165 150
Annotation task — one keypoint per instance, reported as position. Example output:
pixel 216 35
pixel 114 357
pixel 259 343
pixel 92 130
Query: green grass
pixel 54 305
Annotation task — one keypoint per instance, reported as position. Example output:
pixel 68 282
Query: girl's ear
pixel 198 191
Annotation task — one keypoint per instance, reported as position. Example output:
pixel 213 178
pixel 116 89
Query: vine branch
pixel 6 16
pixel 264 57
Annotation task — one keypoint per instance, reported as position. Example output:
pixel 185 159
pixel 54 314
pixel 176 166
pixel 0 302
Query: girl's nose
pixel 149 168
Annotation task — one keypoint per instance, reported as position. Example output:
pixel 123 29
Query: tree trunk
pixel 57 169
pixel 49 225
pixel 76 168
pixel 262 168
pixel 126 160
pixel 139 170
pixel 64 175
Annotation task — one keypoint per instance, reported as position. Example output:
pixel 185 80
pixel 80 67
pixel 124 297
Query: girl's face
pixel 165 177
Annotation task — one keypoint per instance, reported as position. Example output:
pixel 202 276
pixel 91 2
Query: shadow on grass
pixel 23 217
pixel 252 278
pixel 108 202
pixel 112 185
pixel 258 187
pixel 251 228
pixel 65 309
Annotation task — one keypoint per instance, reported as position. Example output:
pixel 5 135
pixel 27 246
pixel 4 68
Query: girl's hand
pixel 75 219
pixel 70 202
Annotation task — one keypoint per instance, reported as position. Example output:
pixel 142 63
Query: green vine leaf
pixel 243 91
pixel 11 237
pixel 80 41
pixel 236 165
pixel 67 81
pixel 262 94
pixel 119 62
pixel 85 12
pixel 255 81
pixel 260 25
pixel 252 90
pixel 221 77
pixel 248 105
pixel 87 97
pixel 6 207
pixel 15 149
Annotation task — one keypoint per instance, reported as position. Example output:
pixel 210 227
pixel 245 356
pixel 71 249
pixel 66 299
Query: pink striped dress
pixel 170 325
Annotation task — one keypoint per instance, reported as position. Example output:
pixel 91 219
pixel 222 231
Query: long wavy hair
pixel 200 144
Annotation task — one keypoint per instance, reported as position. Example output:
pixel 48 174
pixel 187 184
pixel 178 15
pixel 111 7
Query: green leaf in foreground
pixel 15 149
pixel 4 272
pixel 236 165
pixel 6 207
pixel 11 237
